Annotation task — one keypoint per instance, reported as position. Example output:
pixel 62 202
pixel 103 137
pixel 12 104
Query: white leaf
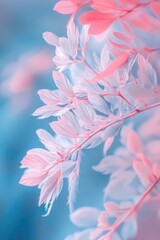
pixel 146 73
pixel 104 57
pixel 67 168
pixel 99 103
pixel 47 140
pixel 63 84
pixel 119 187
pixel 110 164
pixel 72 186
pixel 85 216
pixel 51 38
pixel 129 228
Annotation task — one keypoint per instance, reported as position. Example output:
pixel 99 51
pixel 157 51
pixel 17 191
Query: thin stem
pixel 137 111
pixel 131 211
pixel 117 93
pixel 138 5
pixel 126 100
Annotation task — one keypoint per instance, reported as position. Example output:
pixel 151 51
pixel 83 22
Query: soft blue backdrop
pixel 22 23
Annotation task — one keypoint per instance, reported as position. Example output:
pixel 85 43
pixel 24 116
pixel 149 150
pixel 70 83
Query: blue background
pixel 22 23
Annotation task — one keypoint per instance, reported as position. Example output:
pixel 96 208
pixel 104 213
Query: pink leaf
pixel 122 36
pixel 41 153
pixel 156 8
pixel 65 7
pixel 113 66
pixel 108 144
pixel 33 161
pixel 144 174
pixel 98 22
pixel 133 142
pixel 112 209
pixel 33 177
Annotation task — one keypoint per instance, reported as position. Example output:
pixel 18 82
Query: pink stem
pixel 131 211
pixel 118 94
pixel 143 109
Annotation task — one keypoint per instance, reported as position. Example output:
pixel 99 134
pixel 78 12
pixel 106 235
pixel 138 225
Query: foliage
pixel 106 72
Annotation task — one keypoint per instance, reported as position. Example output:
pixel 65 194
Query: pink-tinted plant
pixel 19 77
pixel 106 73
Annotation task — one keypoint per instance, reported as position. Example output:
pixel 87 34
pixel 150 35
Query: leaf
pixel 145 174
pixel 146 131
pixel 108 144
pixel 93 142
pixel 51 38
pixel 112 209
pixel 33 177
pixel 64 46
pixel 67 167
pixel 98 22
pixel 51 97
pixel 48 111
pixel 67 125
pixel 47 140
pixel 104 58
pixel 119 187
pixel 50 190
pixel 65 7
pixel 99 103
pixel 111 131
pixel 85 216
pixel 33 161
pixel 111 68
pixel 46 155
pixel 72 187
pixel 84 111
pixel 104 6
pixel 63 84
pixel 146 73
pixel 129 228
pixel 156 8
pixel 103 220
pixel 73 38
pixel 134 144
pixel 62 62
pixel 84 37
pixel 110 164
pixel 140 23
pixel 122 37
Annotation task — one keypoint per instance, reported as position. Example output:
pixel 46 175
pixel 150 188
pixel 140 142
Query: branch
pixel 131 211
pixel 117 93
pixel 137 111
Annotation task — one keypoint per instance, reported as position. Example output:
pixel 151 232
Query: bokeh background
pixel 22 23
pixel 25 67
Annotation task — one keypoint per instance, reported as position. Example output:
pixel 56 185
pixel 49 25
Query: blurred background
pixel 25 67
